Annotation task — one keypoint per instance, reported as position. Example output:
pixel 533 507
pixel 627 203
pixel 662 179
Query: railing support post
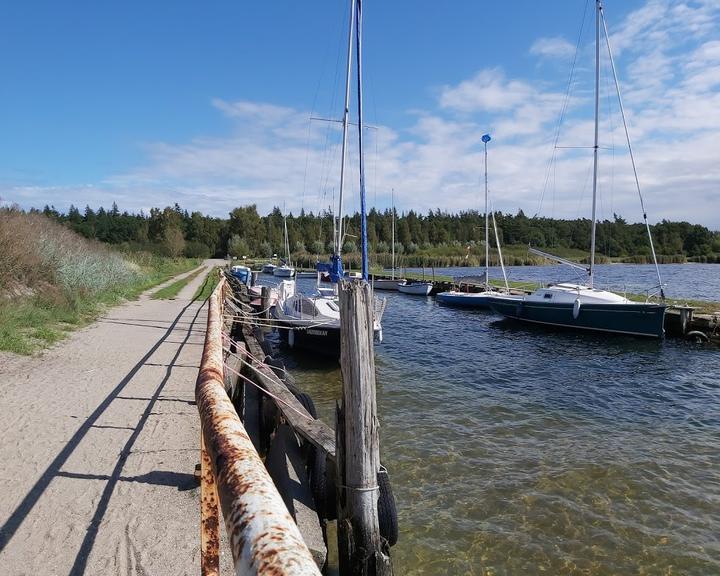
pixel 209 517
pixel 361 549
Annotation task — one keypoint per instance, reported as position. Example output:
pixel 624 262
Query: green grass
pixel 206 288
pixel 37 321
pixel 171 291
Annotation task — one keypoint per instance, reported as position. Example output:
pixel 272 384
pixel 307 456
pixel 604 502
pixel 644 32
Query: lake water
pixel 693 281
pixel 515 450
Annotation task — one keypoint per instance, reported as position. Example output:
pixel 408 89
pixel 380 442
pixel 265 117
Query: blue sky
pixel 209 105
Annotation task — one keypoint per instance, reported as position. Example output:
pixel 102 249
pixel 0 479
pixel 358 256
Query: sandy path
pixel 99 443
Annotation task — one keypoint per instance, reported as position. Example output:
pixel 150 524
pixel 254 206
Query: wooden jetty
pixel 278 473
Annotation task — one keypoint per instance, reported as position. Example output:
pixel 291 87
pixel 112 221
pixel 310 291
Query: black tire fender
pixel 697 336
pixel 387 510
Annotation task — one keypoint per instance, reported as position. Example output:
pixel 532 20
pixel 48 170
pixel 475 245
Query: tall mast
pixel 630 150
pixel 486 139
pixel 346 112
pixel 598 7
pixel 363 214
pixel 392 196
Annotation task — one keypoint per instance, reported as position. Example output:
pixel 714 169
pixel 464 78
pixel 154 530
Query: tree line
pixel 173 231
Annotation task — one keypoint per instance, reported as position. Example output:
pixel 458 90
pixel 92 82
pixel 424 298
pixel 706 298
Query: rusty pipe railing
pixel 263 536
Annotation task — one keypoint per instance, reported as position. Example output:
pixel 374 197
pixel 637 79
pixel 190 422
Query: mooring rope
pixel 259 387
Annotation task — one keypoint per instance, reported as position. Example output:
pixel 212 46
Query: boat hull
pixel 633 319
pixel 464 299
pixel 324 340
pixel 419 289
pixel 385 284
pixel 284 272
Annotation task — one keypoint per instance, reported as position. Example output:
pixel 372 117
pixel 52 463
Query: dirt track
pixel 99 444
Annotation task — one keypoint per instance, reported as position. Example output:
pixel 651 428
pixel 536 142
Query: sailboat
pixel 313 321
pixel 392 282
pixel 582 306
pixel 478 299
pixel 286 270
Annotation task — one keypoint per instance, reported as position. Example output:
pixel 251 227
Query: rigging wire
pixel 632 156
pixel 563 109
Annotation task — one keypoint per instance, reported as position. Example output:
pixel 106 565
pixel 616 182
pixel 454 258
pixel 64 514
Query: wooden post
pixel 265 301
pixel 361 549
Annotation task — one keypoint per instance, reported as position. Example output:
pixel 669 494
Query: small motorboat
pixel 466 299
pixel 284 271
pixel 387 283
pixel 416 288
pixel 268 268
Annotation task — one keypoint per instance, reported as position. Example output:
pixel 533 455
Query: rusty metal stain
pixel 263 536
pixel 209 517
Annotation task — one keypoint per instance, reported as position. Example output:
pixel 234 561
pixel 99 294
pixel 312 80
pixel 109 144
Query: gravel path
pixel 99 444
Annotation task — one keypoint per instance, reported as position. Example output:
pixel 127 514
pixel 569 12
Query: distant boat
pixel 305 274
pixel 386 283
pixel 242 273
pixel 571 305
pixel 392 282
pixel 287 270
pixel 415 288
pixel 268 268
pixel 478 299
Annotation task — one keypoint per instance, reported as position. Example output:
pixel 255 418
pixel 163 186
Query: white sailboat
pixel 392 282
pixel 582 306
pixel 286 270
pixel 313 321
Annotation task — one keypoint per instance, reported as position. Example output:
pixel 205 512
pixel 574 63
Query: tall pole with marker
pixel 486 138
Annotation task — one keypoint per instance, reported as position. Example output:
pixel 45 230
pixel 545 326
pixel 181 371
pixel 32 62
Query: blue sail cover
pixel 334 268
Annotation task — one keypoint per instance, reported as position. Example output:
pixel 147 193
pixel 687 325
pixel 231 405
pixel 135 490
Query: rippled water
pixel 515 450
pixel 695 281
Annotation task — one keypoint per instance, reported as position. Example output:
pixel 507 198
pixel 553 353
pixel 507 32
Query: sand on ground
pixel 100 439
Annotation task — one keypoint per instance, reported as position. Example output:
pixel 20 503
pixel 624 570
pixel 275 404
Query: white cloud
pixel 669 62
pixel 552 48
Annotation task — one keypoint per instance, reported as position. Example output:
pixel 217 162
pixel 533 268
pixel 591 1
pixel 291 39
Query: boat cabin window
pixel 306 307
pixel 547 296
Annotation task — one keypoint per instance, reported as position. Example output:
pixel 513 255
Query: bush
pixel 266 250
pixel 318 247
pixel 197 249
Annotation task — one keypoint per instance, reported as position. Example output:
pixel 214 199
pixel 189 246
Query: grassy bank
pixel 52 281
pixel 206 288
pixel 171 291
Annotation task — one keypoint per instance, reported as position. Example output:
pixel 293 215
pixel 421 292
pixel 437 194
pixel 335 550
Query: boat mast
pixel 598 8
pixel 363 214
pixel 392 196
pixel 486 139
pixel 346 112
pixel 287 241
pixel 630 150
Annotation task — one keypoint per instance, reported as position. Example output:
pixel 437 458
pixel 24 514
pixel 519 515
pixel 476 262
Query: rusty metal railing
pixel 263 536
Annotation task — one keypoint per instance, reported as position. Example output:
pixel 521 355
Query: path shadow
pixel 179 480
pixel 16 518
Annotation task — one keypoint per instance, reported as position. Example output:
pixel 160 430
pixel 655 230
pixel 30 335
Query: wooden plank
pixel 315 431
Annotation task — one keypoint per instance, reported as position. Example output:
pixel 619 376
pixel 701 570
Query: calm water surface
pixel 694 281
pixel 515 450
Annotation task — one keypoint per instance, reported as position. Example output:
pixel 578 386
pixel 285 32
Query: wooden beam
pixel 315 431
pixel 361 549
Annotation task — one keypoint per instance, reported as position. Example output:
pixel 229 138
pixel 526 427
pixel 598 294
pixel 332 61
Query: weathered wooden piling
pixel 265 302
pixel 361 549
